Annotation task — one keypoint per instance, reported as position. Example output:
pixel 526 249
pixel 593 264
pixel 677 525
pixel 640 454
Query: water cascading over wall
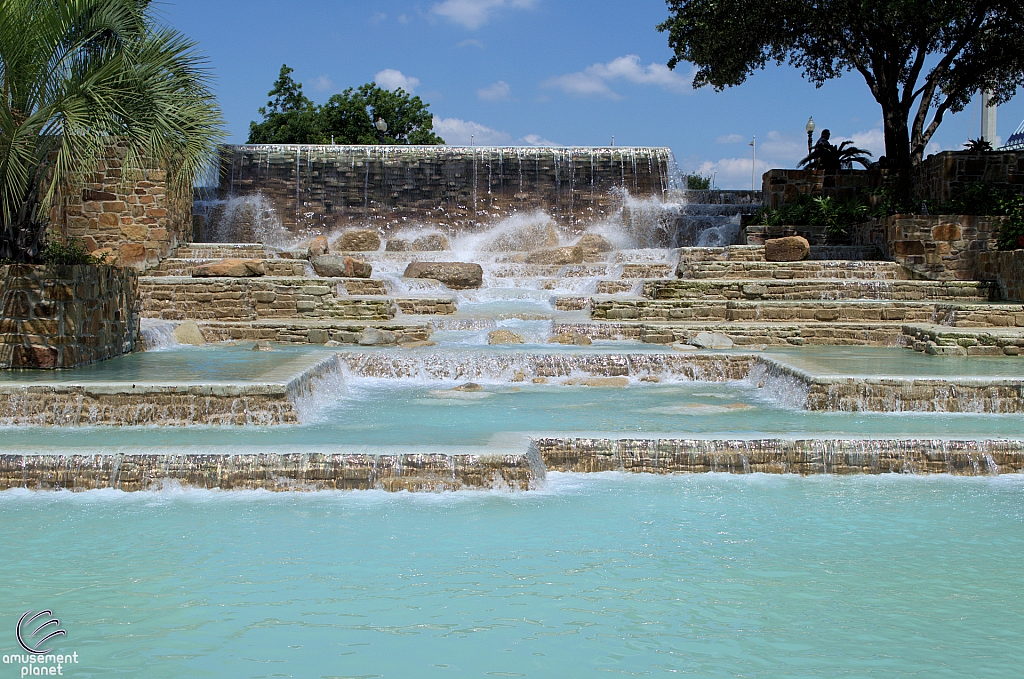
pixel 314 189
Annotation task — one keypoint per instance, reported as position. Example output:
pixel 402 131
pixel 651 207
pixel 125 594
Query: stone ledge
pixel 784 456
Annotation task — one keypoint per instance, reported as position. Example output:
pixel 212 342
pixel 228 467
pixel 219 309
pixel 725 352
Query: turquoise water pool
pixel 709 576
pixel 351 413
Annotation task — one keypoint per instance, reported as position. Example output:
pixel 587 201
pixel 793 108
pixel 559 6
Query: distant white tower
pixel 988 118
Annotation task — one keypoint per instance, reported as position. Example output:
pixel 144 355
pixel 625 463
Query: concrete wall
pixel 137 219
pixel 66 316
pixel 317 188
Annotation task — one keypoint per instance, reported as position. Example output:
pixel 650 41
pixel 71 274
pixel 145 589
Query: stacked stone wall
pixel 940 176
pixel 66 316
pixel 1007 269
pixel 320 188
pixel 779 187
pixel 137 219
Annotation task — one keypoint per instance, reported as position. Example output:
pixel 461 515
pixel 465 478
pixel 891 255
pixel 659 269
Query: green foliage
pixel 978 146
pixel 831 158
pixel 288 118
pixel 79 76
pixel 919 58
pixel 69 254
pixel 347 118
pixel 696 181
pixel 835 216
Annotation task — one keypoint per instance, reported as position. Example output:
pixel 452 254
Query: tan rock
pixel 502 336
pixel 787 249
pixel 132 254
pixel 432 242
pixel 358 240
pixel 189 333
pixel 372 337
pixel 591 248
pixel 455 275
pixel 262 345
pixel 341 266
pixel 397 245
pixel 416 344
pixel 318 247
pixel 539 380
pixel 570 338
pixel 231 268
pixel 469 386
pixel 566 255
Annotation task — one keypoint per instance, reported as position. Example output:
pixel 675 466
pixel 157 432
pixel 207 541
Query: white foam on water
pixel 157 335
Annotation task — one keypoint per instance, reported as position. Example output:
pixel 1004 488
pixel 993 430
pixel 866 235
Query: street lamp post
pixel 810 133
pixel 382 127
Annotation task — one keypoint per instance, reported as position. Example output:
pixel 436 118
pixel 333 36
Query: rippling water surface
pixel 711 576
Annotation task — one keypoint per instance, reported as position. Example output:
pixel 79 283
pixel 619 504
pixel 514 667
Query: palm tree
pixel 831 158
pixel 78 76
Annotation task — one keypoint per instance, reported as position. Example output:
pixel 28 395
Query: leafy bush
pixel 696 181
pixel 69 254
pixel 835 216
pixel 985 198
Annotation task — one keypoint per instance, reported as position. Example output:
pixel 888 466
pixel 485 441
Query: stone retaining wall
pixel 782 456
pixel 1006 268
pixel 250 299
pixel 821 289
pixel 139 219
pixel 275 472
pixel 780 187
pixel 66 316
pixel 940 176
pixel 320 188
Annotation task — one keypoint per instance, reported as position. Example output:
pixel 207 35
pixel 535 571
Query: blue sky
pixel 536 72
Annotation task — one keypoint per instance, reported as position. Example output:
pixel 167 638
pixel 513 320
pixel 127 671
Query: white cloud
pixel 404 19
pixel 537 140
pixel 322 84
pixel 475 13
pixel 378 17
pixel 458 132
pixel 734 173
pixel 391 79
pixel 499 91
pixel 593 80
pixel 730 139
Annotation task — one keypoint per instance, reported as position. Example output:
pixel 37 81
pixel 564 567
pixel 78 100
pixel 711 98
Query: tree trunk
pixel 897 150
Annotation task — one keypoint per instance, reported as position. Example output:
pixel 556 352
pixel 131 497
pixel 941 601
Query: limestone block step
pixel 821 289
pixel 223 251
pixel 755 253
pixel 177 266
pixel 304 331
pixel 833 269
pixel 249 299
pixel 822 311
pixel 744 335
pixel 964 341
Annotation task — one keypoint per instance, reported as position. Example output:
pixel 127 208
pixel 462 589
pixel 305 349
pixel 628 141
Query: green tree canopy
pixel 77 76
pixel 346 118
pixel 920 58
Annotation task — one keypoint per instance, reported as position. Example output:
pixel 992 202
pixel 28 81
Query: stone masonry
pixel 318 188
pixel 66 316
pixel 137 219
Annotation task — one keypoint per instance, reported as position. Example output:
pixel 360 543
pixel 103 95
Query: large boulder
pixel 358 240
pixel 591 247
pixel 374 337
pixel 503 336
pixel 339 266
pixel 571 338
pixel 787 249
pixel 189 333
pixel 456 275
pixel 318 247
pixel 397 245
pixel 432 242
pixel 233 268
pixel 567 255
pixel 712 340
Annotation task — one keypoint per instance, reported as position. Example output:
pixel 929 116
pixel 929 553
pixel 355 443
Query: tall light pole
pixel 810 133
pixel 382 127
pixel 753 161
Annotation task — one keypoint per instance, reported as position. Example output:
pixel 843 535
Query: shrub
pixel 835 216
pixel 696 181
pixel 69 254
